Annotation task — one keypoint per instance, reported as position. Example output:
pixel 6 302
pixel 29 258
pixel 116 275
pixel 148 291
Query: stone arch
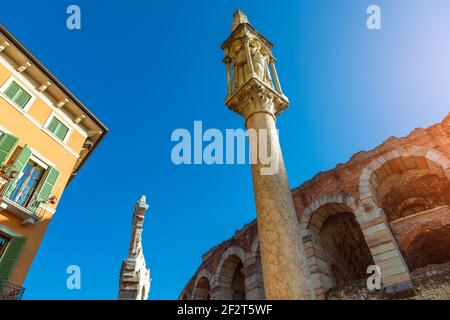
pixel 389 191
pixel 335 246
pixel 202 285
pixel 229 279
pixel 185 294
pixel 254 281
pixel 234 250
pixel 254 249
pixel 423 160
pixel 428 243
pixel 338 199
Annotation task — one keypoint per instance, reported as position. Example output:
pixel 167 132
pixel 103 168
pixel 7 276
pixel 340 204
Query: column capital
pixel 256 97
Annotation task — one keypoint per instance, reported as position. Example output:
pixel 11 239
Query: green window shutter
pixel 53 124
pixel 22 99
pixel 12 90
pixel 22 159
pixel 47 186
pixel 61 132
pixel 58 128
pixel 10 256
pixel 17 94
pixel 7 144
pixel 18 166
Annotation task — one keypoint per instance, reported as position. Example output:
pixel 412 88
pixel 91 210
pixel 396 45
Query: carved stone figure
pixel 260 61
pixel 237 55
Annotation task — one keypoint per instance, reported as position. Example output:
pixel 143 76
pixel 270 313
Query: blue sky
pixel 147 68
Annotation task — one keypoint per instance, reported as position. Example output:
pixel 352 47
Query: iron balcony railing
pixel 9 291
pixel 32 210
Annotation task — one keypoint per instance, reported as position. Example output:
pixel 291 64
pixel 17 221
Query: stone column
pixel 229 83
pixel 278 228
pixel 275 76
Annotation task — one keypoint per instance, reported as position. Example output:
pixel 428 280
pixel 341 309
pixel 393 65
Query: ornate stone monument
pixel 254 92
pixel 134 274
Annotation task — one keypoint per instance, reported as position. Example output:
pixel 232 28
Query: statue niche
pixel 260 59
pixel 239 63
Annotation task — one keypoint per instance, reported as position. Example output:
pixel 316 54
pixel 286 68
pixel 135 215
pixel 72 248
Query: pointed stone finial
pixel 238 18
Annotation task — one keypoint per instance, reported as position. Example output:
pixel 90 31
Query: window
pixel 17 94
pixel 3 243
pixel 58 128
pixel 27 184
pixel 7 145
pixel 11 245
pixel 34 183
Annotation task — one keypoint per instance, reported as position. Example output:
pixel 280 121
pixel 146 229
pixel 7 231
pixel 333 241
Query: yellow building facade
pixel 46 135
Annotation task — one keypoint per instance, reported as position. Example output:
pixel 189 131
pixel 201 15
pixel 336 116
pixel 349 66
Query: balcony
pixel 9 291
pixel 30 213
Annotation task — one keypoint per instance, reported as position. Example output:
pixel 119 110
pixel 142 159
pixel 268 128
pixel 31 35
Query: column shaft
pixel 278 229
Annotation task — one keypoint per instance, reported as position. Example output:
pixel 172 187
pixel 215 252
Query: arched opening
pixel 345 248
pixel 232 279
pixel 238 285
pixel 202 289
pixel 334 244
pixel 405 186
pixel 338 275
pixel 431 245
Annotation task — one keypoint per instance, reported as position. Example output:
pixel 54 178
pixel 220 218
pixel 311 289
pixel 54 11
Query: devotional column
pixel 254 92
